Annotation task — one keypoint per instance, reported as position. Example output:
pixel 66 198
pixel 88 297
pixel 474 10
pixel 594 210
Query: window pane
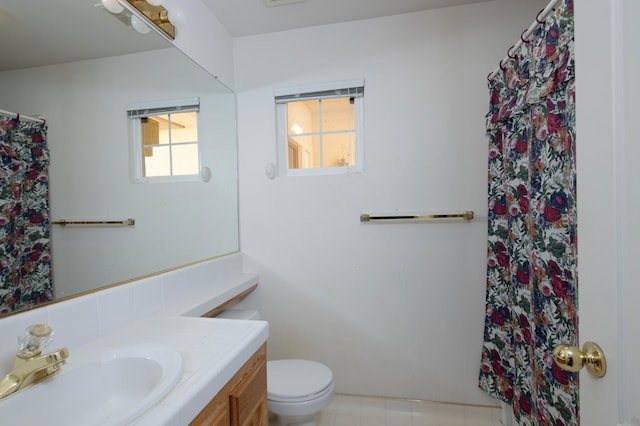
pixel 150 135
pixel 304 152
pixel 184 127
pixel 339 150
pixel 154 129
pixel 302 116
pixel 319 129
pixel 338 114
pixel 185 159
pixel 158 163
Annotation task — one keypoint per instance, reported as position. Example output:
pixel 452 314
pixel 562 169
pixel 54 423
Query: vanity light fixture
pixel 113 6
pixel 153 15
pixel 174 13
pixel 149 14
pixel 139 25
pixel 116 10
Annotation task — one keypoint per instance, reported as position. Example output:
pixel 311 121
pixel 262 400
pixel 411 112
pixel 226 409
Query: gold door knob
pixel 570 358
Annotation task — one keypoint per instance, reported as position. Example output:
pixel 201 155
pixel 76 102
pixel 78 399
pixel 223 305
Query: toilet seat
pixel 296 380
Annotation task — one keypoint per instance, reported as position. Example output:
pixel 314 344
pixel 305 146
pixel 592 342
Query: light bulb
pixel 139 25
pixel 112 6
pixel 176 16
pixel 155 2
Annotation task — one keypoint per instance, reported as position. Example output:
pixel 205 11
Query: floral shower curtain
pixel 25 249
pixel 532 234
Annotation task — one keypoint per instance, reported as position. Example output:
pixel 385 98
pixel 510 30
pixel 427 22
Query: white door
pixel 608 92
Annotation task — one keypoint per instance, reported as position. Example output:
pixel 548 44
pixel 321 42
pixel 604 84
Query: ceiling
pixel 43 32
pixel 248 17
pixel 38 32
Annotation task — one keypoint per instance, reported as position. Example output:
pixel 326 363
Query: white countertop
pixel 212 350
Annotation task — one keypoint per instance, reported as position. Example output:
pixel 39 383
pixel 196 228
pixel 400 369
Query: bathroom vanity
pixel 221 378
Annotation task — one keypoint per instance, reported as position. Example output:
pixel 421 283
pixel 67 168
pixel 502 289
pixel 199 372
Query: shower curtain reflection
pixel 25 247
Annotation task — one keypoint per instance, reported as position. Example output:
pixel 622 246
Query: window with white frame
pixel 164 139
pixel 320 129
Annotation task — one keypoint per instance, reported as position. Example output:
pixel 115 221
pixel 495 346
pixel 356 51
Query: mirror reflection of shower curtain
pixel 532 228
pixel 25 245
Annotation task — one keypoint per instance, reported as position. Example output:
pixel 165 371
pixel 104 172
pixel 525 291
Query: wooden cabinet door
pixel 243 400
pixel 248 395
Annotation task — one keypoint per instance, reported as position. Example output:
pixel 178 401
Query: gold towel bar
pixel 466 215
pixel 64 222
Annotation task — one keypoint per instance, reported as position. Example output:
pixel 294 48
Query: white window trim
pixel 135 130
pixel 321 87
pixel 282 133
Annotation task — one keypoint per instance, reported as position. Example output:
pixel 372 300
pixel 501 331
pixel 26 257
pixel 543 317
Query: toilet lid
pixel 296 378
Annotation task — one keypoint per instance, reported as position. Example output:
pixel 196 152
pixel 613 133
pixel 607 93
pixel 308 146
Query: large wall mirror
pixel 82 69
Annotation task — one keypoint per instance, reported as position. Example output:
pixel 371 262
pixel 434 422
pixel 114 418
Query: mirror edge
pixel 116 284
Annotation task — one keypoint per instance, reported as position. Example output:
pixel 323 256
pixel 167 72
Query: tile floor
pixel 347 410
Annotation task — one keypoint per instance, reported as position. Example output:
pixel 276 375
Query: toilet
pixel 296 389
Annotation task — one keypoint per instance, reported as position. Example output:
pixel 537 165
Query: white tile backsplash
pixel 115 308
pixel 74 321
pixel 148 297
pixel 82 319
pixel 173 284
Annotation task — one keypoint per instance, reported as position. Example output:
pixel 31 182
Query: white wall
pixel 204 39
pixel 85 104
pixel 393 309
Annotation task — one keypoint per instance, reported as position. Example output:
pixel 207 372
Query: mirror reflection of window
pixel 170 144
pixel 165 142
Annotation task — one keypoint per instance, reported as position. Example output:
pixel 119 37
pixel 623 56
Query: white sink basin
pixel 113 390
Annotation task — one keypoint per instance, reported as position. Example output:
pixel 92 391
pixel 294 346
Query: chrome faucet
pixel 30 365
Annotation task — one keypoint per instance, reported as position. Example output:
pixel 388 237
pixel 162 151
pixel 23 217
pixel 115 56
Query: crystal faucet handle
pixel 35 337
